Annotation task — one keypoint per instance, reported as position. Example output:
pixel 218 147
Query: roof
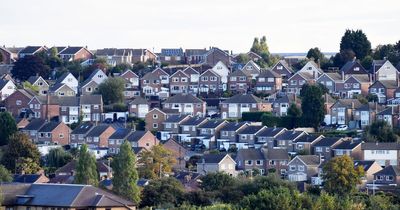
pixel 390 170
pixel 388 84
pixel 91 99
pixel 349 65
pixel 136 136
pixel 33 79
pixel 30 49
pixel 98 130
pixel 289 135
pixel 62 77
pixel 327 142
pixel 139 100
pixel 309 159
pixel 83 128
pixel 49 127
pixel 69 167
pixel 348 103
pixel 68 195
pixel 68 101
pixel 172 52
pixel 194 120
pixel 380 146
pixel 250 154
pixel 233 126
pixel 269 73
pixel 237 73
pixel 35 124
pixel 307 138
pixel 212 124
pixel 26 178
pixel 120 133
pixel 183 98
pixel 175 118
pixel 189 70
pixel 271 131
pixel 213 158
pixel 388 111
pixel 276 154
pixel 243 98
pixel 348 144
pixel 334 76
pixel 71 50
pixel 189 52
pixel 2 83
pixel 363 78
pixel 253 129
pixel 366 164
pixel 370 106
pixel 57 86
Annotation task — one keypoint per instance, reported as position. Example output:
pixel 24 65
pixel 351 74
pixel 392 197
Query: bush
pixel 254 116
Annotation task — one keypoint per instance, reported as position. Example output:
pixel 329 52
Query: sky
pixel 289 25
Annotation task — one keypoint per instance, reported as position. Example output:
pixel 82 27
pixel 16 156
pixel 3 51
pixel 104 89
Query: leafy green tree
pixel 340 176
pixel 294 111
pixel 381 201
pixel 86 169
pixel 260 47
pixel 31 87
pixel 312 105
pixel 278 198
pixel 216 181
pixel 356 41
pixel 30 65
pixel 5 175
pixel 316 54
pixel 112 90
pixel 155 162
pixel 242 58
pixel 380 131
pixel 19 150
pixel 388 51
pixel 53 61
pixel 27 166
pixel 367 62
pixel 8 127
pixel 163 191
pixel 325 202
pixel 125 175
pixel 58 157
pixel 120 68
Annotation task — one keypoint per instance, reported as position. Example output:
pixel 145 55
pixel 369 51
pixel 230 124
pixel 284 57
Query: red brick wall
pixel 148 141
pixel 61 129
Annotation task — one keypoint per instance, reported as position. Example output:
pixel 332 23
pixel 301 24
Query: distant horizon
pixel 289 26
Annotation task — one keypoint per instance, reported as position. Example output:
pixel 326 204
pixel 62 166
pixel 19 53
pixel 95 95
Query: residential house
pixel 370 167
pixel 143 55
pixel 117 56
pixel 57 196
pixel 331 81
pixel 303 167
pixel 389 176
pixel 143 139
pixel 69 169
pixel 61 90
pixel 173 122
pixel 215 55
pixel 384 153
pixel 30 178
pixel 194 56
pixel 155 82
pixel 98 76
pixel 171 56
pixel 210 81
pixel 212 163
pixel 99 135
pixel 365 115
pixel 267 136
pixel 305 142
pixel 386 71
pixel 282 104
pixel 248 134
pixel 353 67
pixel 282 68
pixel 186 104
pixel 69 109
pixel 313 69
pixel 68 79
pixel 209 132
pixel 251 69
pixel 355 85
pixel 285 140
pixel 193 79
pixel 75 53
pixel 239 82
pixel 17 102
pixel 31 50
pixel 179 82
pixel 250 159
pixel 324 147
pixel 40 83
pixel 53 133
pixel 154 119
pixel 228 134
pixel 138 107
pixel 89 87
pixel 253 56
pixel 342 111
pixel 131 84
pixel 79 134
pixel 7 87
pixel 45 107
pixel 234 106
pixel 33 127
pixel 384 90
pixel 268 82
pixel 118 138
pixel 189 127
pixel 296 82
pixel 6 55
pixel 350 147
pixel 91 107
pixel 179 152
pixel 276 160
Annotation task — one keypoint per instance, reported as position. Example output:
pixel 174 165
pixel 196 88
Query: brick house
pixel 331 81
pixel 143 55
pixel 91 107
pixel 32 128
pixel 212 163
pixel 210 81
pixel 98 136
pixel 138 107
pixel 303 167
pixel 179 152
pixel 354 85
pixel 214 55
pixel 342 111
pixel 296 82
pixel 234 106
pixel 250 159
pixel 276 159
pixel 251 69
pixel 186 104
pixel 45 107
pixel 384 90
pixel 194 56
pixel 193 79
pixel 155 117
pixel 324 147
pixel 54 133
pixel 268 82
pixel 179 82
pixel 353 67
pixel 75 53
pixel 17 102
pixel 143 139
pixel 239 82
pixel 69 109
pixel 61 90
pixel 6 56
pixel 153 82
pixel 349 147
pixel 40 83
pixel 282 68
pixel 79 134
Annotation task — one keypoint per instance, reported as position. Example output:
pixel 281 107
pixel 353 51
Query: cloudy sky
pixel 290 25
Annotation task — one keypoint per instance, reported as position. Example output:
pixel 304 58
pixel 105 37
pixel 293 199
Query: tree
pixel 294 111
pixel 380 131
pixel 278 198
pixel 27 166
pixel 356 41
pixel 86 171
pixel 260 47
pixel 340 176
pixel 5 175
pixel 166 190
pixel 125 174
pixel 388 51
pixel 155 162
pixel 216 181
pixel 58 157
pixel 30 65
pixel 8 127
pixel 53 60
pixel 312 105
pixel 21 150
pixel 112 90
pixel 315 54
pixel 242 58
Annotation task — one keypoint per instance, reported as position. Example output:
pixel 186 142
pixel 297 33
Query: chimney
pixel 352 105
pixel 355 58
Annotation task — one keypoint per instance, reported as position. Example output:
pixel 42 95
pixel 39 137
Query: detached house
pixel 384 90
pixel 7 87
pixel 331 81
pixel 138 107
pixel 75 53
pixel 31 50
pixel 179 82
pixel 186 104
pixel 234 106
pixel 353 67
pixel 303 167
pixel 312 68
pixel 212 163
pixel 282 68
pixel 354 85
pixel 296 82
pixel 40 83
pixel 69 80
pixel 385 71
pixel 215 55
pixel 384 153
pixel 268 82
pixel 251 69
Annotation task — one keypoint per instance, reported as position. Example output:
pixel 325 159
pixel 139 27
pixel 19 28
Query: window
pixel 18 102
pixel 356 85
pixel 270 79
pixel 175 79
pixel 292 168
pixel 249 162
pixel 167 58
pixel 378 177
pixel 271 162
pixel 301 168
pixel 327 149
pixel 95 139
pixel 213 78
pixel 261 79
pixel 279 67
pixel 155 125
pixel 185 128
pixel 155 116
pixel 293 82
pixel 242 78
pixel 389 178
pixel 168 125
pixel 233 79
pixel 111 141
pixel 356 68
pixel 318 149
pixel 64 108
pixel 184 79
pixel 61 135
pixel 204 78
pixel 96 107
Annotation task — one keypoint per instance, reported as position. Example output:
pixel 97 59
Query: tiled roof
pixel 70 50
pixel 194 121
pixel 35 124
pixel 276 154
pixel 366 164
pixel 212 124
pixel 233 126
pixel 139 100
pixel 175 118
pixel 91 99
pixel 270 132
pixel 253 129
pixel 307 138
pixel 83 128
pixel 389 170
pixel 243 98
pixel 136 136
pixel 289 135
pixel 310 159
pixel 183 98
pixel 380 146
pixel 348 145
pixel 49 127
pixel 250 154
pixel 121 133
pixel 97 130
pixel 213 158
pixel 327 142
pixel 269 73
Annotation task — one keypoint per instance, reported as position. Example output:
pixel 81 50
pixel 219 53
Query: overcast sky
pixel 289 25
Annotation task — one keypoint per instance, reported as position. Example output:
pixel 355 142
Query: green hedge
pixel 254 116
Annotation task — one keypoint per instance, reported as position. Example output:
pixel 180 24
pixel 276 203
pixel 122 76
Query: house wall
pixel 155 117
pixel 148 141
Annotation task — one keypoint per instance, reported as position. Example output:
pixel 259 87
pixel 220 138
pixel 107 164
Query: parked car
pixel 121 119
pixel 108 120
pixel 342 128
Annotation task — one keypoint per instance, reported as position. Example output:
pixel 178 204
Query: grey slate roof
pixel 269 73
pixel 348 103
pixel 49 127
pixel 35 124
pixel 175 118
pixel 30 49
pixel 83 128
pixel 349 65
pixel 276 154
pixel 183 98
pixel 136 136
pixel 233 126
pixel 289 135
pixel 212 124
pixel 270 132
pixel 33 79
pixel 251 154
pixel 307 138
pixel 26 178
pixel 213 158
pixel 388 111
pixel 243 98
pixel 380 146
pixel 348 145
pixel 366 164
pixel 194 121
pixel 2 83
pixel 120 133
pixel 62 77
pixel 389 170
pixel 389 84
pixel 68 101
pixel 327 142
pixel 70 50
pixel 237 73
pixel 139 100
pixel 334 76
pixel 97 130
pixel 56 86
pixel 253 129
pixel 91 99
pixel 310 159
